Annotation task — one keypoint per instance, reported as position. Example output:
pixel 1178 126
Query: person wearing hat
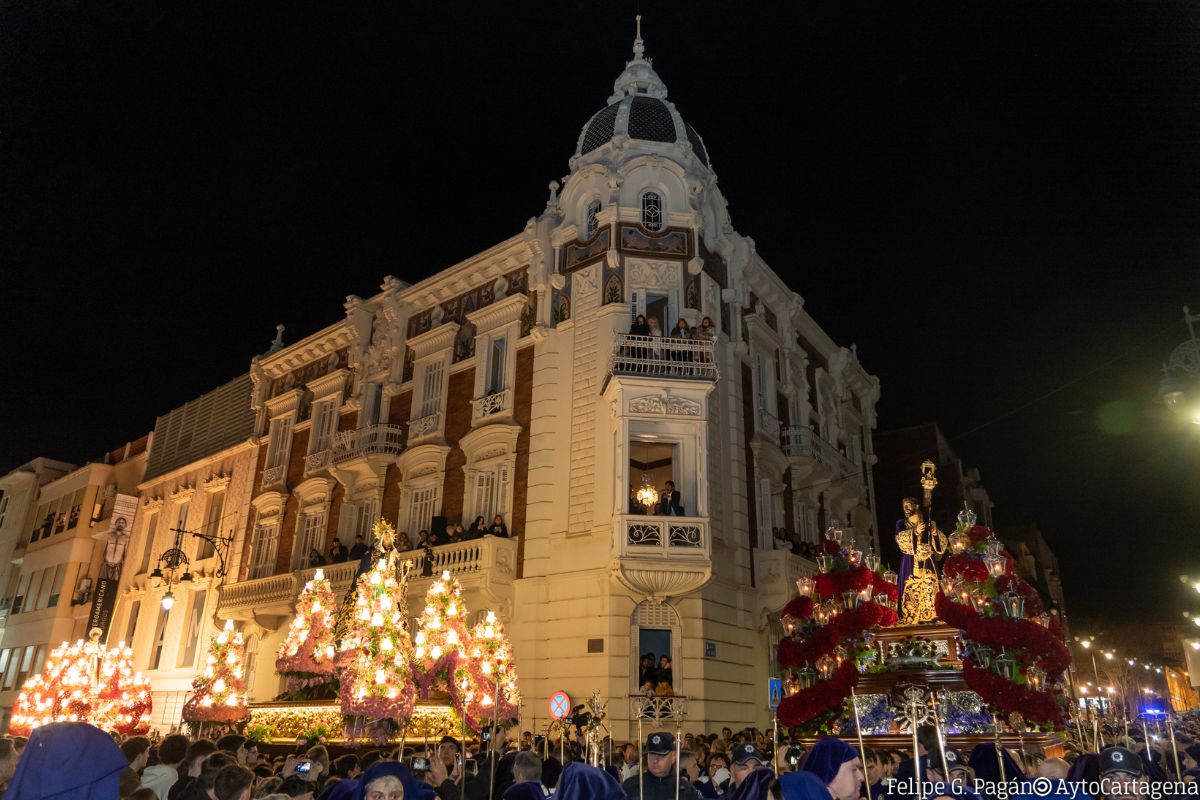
pixel 659 780
pixel 958 783
pixel 1121 774
pixel 751 774
pixel 837 765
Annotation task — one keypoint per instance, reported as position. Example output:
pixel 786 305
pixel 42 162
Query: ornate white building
pixel 509 384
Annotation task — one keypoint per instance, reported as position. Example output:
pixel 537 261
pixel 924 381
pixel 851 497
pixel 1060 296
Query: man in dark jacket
pixel 659 779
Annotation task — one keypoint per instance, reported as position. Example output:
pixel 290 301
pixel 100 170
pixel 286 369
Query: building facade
pixel 63 515
pixel 198 479
pixel 511 385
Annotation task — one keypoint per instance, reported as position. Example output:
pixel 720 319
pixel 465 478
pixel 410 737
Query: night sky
pixel 997 202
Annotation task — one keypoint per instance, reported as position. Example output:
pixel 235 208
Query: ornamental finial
pixel 639 47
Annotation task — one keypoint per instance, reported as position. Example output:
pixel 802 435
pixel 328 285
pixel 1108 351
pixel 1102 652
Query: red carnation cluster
pixel 808 703
pixel 965 568
pixel 824 639
pixel 1034 705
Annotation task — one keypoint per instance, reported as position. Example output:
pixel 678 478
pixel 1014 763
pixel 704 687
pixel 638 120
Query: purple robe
pixel 906 566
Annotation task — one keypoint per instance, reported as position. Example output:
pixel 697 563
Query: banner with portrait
pixel 116 542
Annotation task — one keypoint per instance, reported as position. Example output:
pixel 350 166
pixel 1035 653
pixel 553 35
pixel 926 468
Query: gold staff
pixel 862 750
pixel 1174 748
pixel 999 747
pixel 917 774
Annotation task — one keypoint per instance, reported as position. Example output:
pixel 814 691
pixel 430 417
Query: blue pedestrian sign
pixel 774 692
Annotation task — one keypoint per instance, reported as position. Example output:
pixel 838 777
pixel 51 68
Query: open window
pixel 657 631
pixel 651 465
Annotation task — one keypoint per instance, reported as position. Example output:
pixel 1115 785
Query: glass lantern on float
pixel 890 575
pixel 871 559
pixel 791 685
pixel 1014 604
pixel 966 518
pixel 958 542
pixel 864 594
pixel 805 586
pixel 950 586
pixel 825 667
pixel 850 598
pixel 834 532
pixel 824 563
pixel 854 556
pixel 1036 676
pixel 995 564
pixel 806 677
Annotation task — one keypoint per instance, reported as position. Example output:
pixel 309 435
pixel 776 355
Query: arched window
pixel 591 223
pixel 652 211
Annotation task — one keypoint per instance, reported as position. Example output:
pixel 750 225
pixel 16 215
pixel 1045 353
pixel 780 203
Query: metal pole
pixel 862 750
pixel 495 725
pixel 1174 750
pixel 1146 733
pixel 917 775
pixel 641 770
pixel 937 722
pixel 999 748
pixel 462 775
pixel 678 748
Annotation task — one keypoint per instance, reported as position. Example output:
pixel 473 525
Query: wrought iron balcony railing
pixel 663 357
pixel 370 440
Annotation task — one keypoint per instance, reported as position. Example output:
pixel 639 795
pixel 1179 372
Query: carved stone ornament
pixel 585 284
pixel 669 405
pixel 645 275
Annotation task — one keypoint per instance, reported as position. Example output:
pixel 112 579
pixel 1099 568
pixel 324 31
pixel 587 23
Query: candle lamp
pixel 806 677
pixel 791 686
pixel 834 532
pixel 854 556
pixel 958 542
pixel 871 560
pixel 864 595
pixel 983 655
pixel 824 563
pixel 890 576
pixel 1014 604
pixel 966 518
pixel 850 598
pixel 805 586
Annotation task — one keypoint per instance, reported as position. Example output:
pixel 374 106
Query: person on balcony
pixel 315 559
pixel 478 528
pixel 656 332
pixel 638 328
pixel 665 673
pixel 359 549
pixel 498 527
pixel 338 552
pixel 682 332
pixel 669 503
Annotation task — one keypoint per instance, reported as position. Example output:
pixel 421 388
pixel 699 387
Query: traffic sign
pixel 774 692
pixel 560 704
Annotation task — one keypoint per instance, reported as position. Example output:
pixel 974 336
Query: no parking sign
pixel 560 704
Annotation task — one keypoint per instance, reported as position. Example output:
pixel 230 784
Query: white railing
pixel 370 440
pixel 658 356
pixel 489 404
pixel 798 442
pixel 677 535
pixel 273 476
pixel 775 574
pixel 768 423
pixel 424 426
pixel 490 560
pixel 318 460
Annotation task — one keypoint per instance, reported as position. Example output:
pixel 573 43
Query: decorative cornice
pixel 313 348
pixel 285 403
pixel 439 338
pixel 497 314
pixel 214 482
pixel 328 384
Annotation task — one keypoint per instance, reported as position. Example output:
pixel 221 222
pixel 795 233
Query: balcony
pixel 775 574
pixel 272 477
pixel 768 424
pixel 826 462
pixel 488 406
pixel 318 461
pixel 663 357
pixel 424 427
pixel 661 557
pixel 485 568
pixel 371 440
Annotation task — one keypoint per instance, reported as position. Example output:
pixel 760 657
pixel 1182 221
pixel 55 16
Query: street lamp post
pixel 175 559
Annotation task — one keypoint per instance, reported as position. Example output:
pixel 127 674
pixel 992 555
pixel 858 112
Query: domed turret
pixel 639 110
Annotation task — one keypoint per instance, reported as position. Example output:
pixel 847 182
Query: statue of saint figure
pixel 921 544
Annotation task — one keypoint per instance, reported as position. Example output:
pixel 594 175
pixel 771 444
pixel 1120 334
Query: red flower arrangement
pixel 853 579
pixel 978 535
pixel 965 568
pixel 831 548
pixel 800 607
pixel 996 690
pixel 880 586
pixel 1033 601
pixel 806 704
pixel 823 639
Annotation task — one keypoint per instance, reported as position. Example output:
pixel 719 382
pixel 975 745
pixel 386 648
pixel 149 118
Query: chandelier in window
pixel 646 494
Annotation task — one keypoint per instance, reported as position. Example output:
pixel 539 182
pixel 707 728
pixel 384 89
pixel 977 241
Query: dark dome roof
pixel 650 119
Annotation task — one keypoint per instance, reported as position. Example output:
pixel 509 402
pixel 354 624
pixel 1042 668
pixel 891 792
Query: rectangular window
pixel 148 547
pixel 35 588
pixel 39 659
pixel 14 663
pixel 424 501
pixel 485 494
pixel 324 425
pixel 497 362
pixel 160 637
pixel 365 515
pixel 60 576
pixel 212 523
pixel 187 657
pixel 431 388
pixel 5 655
pixel 280 442
pixel 311 537
pixel 181 517
pixel 3 513
pixel 18 604
pixel 131 625
pixel 76 506
pixel 26 665
pixel 266 546
pixel 372 405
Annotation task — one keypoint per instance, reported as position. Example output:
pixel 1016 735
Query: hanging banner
pixel 120 526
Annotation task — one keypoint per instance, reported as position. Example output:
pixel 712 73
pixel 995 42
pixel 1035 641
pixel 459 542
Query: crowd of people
pixel 424 540
pixel 75 761
pixel 653 348
pixel 791 540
